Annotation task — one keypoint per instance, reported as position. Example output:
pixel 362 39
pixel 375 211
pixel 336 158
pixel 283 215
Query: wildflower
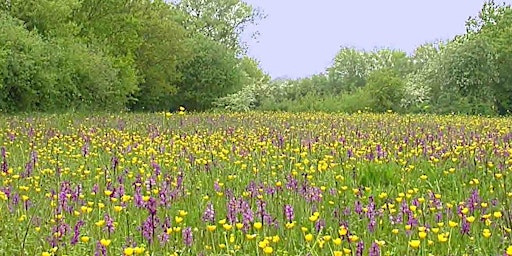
pixel 442 237
pixel 309 237
pixel 187 236
pixel 139 250
pixel 105 242
pixel 268 250
pixel 209 213
pixel 415 243
pixel 288 212
pixel 374 250
pixel 128 251
pixel 509 250
pixel 486 233
pixel 342 231
pixel 211 228
pixel 290 225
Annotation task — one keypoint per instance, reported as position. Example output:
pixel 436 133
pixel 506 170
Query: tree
pixel 157 57
pixel 390 59
pixel 386 87
pixel 492 26
pixel 349 70
pixel 211 73
pixel 223 21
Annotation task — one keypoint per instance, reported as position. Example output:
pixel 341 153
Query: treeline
pixel 110 55
pixel 470 74
pixel 156 55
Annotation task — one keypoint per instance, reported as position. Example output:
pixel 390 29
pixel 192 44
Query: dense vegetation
pixel 255 184
pixel 122 54
pixel 113 55
pixel 469 74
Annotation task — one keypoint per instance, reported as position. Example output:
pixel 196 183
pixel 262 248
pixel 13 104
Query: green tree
pixel 492 26
pixel 349 70
pixel 211 73
pixel 386 89
pixel 223 21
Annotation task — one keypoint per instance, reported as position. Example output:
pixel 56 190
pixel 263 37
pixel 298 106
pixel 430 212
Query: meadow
pixel 255 184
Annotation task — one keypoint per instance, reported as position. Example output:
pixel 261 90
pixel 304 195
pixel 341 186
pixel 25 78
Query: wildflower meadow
pixel 255 184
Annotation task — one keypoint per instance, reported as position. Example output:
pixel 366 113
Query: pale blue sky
pixel 300 38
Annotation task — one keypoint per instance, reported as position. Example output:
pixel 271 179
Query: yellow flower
pixel 343 231
pixel 347 251
pixel 100 223
pixel 337 253
pixel 486 233
pixel 258 225
pixel 139 250
pixel 85 239
pixel 227 227
pixel 211 228
pixel 452 224
pixel 309 237
pixel 105 242
pixel 497 214
pixel 128 251
pixel 422 234
pixel 46 254
pixel 268 250
pixel 442 238
pixel 353 238
pixel 509 250
pixel 415 243
pixel 290 225
pixel 250 237
pixel 263 244
pixel 337 241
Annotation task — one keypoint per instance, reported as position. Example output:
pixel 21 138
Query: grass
pixel 255 184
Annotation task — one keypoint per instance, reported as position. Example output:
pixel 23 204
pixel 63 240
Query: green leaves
pixel 223 21
pixel 211 73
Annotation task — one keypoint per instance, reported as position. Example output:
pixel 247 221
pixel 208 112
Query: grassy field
pixel 255 184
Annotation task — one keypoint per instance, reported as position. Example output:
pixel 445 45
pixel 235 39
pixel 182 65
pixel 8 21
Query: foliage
pixel 386 87
pixel 211 73
pixel 112 55
pixel 222 21
pixel 255 183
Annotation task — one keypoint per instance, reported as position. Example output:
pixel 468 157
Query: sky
pixel 300 38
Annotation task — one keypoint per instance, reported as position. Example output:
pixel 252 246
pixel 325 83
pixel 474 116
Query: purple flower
pixel 100 250
pixel 76 233
pixel 109 224
pixel 465 227
pixel 209 213
pixel 374 250
pixel 288 212
pixel 360 248
pixel 188 239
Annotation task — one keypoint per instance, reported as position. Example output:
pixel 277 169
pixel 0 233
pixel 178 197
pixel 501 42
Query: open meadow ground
pixel 255 184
